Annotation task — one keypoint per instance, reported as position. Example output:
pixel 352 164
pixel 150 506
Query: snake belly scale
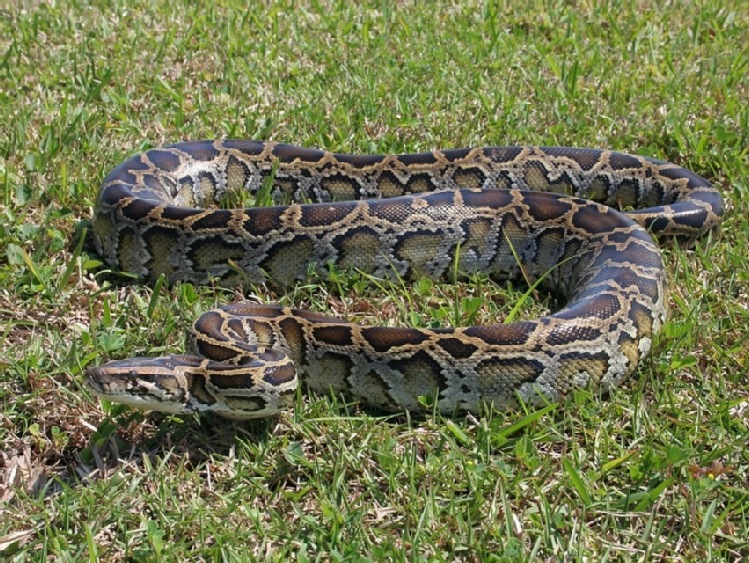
pixel 485 209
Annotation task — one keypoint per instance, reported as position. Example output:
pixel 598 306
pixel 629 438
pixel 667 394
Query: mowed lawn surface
pixel 659 470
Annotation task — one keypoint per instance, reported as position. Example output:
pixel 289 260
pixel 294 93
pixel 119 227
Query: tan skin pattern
pixel 155 216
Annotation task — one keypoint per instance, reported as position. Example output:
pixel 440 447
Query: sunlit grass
pixel 657 471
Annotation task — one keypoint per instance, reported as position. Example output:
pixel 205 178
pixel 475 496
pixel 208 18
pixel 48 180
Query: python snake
pixel 479 208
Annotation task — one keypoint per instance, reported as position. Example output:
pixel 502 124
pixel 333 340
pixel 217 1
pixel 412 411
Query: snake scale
pixel 409 215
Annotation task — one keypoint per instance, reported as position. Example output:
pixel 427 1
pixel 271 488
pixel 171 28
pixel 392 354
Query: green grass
pixel 658 471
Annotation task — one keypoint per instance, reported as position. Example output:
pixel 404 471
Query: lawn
pixel 659 470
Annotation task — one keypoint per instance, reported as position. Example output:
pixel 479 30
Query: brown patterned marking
pixel 360 160
pixel 585 158
pixel 103 224
pixel 164 159
pixel 383 339
pixel 523 370
pixel 565 333
pixel 628 279
pixel 213 325
pixel 199 391
pixel 493 199
pixel 289 154
pixel 235 329
pixel 313 317
pixel 451 155
pixel 249 147
pixel 117 192
pixel 184 196
pixel 215 350
pixel 262 221
pixel 334 335
pixel 127 173
pixel 545 209
pixel 213 220
pixel 628 192
pixel 278 375
pixel 138 209
pixel 200 150
pixel 456 347
pixel 285 186
pixel 631 349
pixel 324 214
pixel 625 278
pixel 550 246
pixel 264 332
pixel 621 161
pixel 438 200
pixel 705 193
pixel 417 159
pixel 652 197
pixel 596 220
pixel 397 214
pixel 612 252
pixel 231 377
pixel 294 334
pixel 514 334
pixel 179 214
pixel 598 189
pixel 513 240
pixel 252 310
pixel 600 306
pixel 154 185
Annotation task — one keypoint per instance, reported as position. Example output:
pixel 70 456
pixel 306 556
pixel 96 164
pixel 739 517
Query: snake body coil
pixel 481 209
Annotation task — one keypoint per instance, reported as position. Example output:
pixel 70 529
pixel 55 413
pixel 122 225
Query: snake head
pixel 163 384
pixel 257 386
